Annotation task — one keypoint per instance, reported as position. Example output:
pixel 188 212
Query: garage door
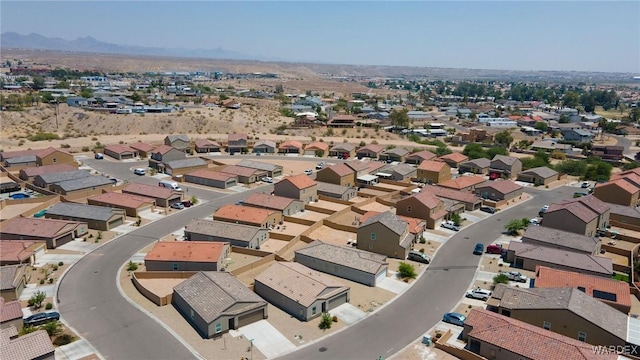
pixel 335 302
pixel 250 318
pixel 116 222
pixel 309 152
pixel 381 276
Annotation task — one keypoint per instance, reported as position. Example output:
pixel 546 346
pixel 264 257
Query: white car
pixel 308 172
pixel 515 276
pixel 139 171
pixel 480 294
pixel 267 179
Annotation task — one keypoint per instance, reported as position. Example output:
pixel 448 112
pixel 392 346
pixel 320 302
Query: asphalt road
pixel 438 290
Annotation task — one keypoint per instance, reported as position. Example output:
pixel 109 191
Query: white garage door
pixel 381 276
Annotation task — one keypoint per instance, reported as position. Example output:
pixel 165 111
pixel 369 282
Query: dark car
pixel 187 203
pixel 495 249
pixel 418 256
pixel 454 318
pixel 479 249
pixel 41 318
pixel 488 209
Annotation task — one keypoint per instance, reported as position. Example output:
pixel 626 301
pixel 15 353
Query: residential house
pixel 470 201
pixel 317 148
pixel 433 172
pixel 90 183
pixel 623 190
pixel 416 226
pixel 230 104
pixel 539 176
pixel 577 135
pixel 352 264
pixel 612 292
pixel 565 311
pixel 344 150
pixel 237 143
pixel 625 217
pixel 28 174
pixel 187 256
pixel 498 337
pixel 476 166
pixel 10 315
pixel 385 234
pixel 264 147
pixel 315 293
pixel 48 178
pixel 34 345
pixel 245 175
pixel 180 142
pixel 398 154
pixel 163 196
pixel 529 256
pixel 220 231
pixel 299 187
pixel 290 147
pixel 499 190
pixel 399 172
pixel 14 252
pixel 144 150
pixel 418 157
pixel 183 166
pixel 551 145
pixel 50 156
pixel 360 167
pixel 329 190
pixel 369 151
pixel 563 240
pixel 583 215
pixel 607 152
pixel 341 121
pixel 338 174
pixel 463 183
pixel 54 232
pixel 13 279
pixel 211 178
pixel 271 170
pixel 207 146
pixel 96 217
pixel 133 205
pixel 285 205
pixel 120 152
pixel 423 205
pixel 505 166
pixel 454 159
pixel 248 215
pixel 164 154
pixel 19 158
pixel 234 306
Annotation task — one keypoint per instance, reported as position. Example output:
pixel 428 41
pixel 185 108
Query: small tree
pixel 407 270
pixel 132 266
pixel 194 199
pixel 52 327
pixel 325 321
pixel 27 329
pixel 37 299
pixel 514 226
pixel 457 219
pixel 500 279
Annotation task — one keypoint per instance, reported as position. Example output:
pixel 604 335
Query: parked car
pixel 585 185
pixel 454 318
pixel 495 249
pixel 477 293
pixel 186 203
pixel 319 165
pixel 308 172
pixel 267 179
pixel 478 249
pixel 488 209
pixel 450 225
pixel 98 156
pixel 177 206
pixel 41 318
pixel 418 256
pixel 139 171
pixel 239 202
pixel 535 221
pixel 543 210
pixel 515 276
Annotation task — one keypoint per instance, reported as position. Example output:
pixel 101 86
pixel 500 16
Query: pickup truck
pixel 477 293
pixel 515 276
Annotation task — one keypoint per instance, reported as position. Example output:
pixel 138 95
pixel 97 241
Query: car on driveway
pixel 319 166
pixel 139 171
pixel 41 318
pixel 187 203
pixel 308 172
pixel 177 206
pixel 450 225
pixel 515 276
pixel 535 221
pixel 495 249
pixel 418 256
pixel 98 156
pixel 454 318
pixel 479 249
pixel 585 185
pixel 543 210
pixel 477 293
pixel 488 209
pixel 267 179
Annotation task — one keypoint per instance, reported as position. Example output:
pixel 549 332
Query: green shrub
pixel 325 321
pixel 60 263
pixel 43 136
pixel 41 281
pixel 63 339
pixel 132 266
pixel 49 306
pixel 407 271
pixel 500 279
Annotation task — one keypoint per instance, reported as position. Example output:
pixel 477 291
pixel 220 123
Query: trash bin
pixel 426 339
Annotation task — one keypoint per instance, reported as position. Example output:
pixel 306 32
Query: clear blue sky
pixel 510 35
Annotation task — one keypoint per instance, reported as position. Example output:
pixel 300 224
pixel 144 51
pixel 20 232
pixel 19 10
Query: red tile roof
pixel 424 155
pixel 451 194
pixel 125 200
pixel 11 310
pixel 187 251
pixel 427 199
pixel 622 183
pixel 247 214
pixel 236 137
pixel 553 278
pixel 35 345
pixel 577 209
pixel 204 143
pixel 340 169
pixel 501 186
pixel 462 182
pixel 156 192
pixel 120 149
pixel 48 169
pixel 415 226
pixel 317 146
pixel 48 151
pixel 455 157
pixel 268 201
pixel 432 165
pixel 291 144
pixel 212 175
pixel 163 149
pixel 237 170
pixel 372 148
pixel 17 250
pixel 45 228
pixel 140 146
pixel 301 181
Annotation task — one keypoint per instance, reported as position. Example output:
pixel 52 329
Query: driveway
pixel 348 313
pixel 390 283
pixel 266 338
pixel 31 289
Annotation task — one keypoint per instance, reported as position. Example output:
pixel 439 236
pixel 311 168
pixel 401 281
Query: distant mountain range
pixel 12 40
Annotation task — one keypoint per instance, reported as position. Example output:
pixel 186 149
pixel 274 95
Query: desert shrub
pixel 407 271
pixel 63 339
pixel 500 279
pixel 49 306
pixel 42 136
pixel 65 146
pixel 60 263
pixel 334 319
pixel 325 321
pixel 132 266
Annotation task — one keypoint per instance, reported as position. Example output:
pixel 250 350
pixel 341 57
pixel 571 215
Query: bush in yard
pixel 49 306
pixel 334 318
pixel 28 329
pixel 422 240
pixel 132 266
pixel 60 263
pixel 41 281
pixel 37 299
pixel 325 321
pixel 500 279
pixel 52 327
pixel 63 339
pixel 407 271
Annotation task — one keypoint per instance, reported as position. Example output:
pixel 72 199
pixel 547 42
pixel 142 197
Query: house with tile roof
pixel 34 345
pixel 248 215
pixel 476 166
pixel 566 311
pixel 624 190
pixel 133 205
pixel 498 190
pixel 415 226
pixel 423 205
pixel 164 154
pixel 433 172
pixel 386 234
pixel 360 167
pixel 583 215
pixel 221 231
pixel 542 175
pixel 336 191
pixel 418 157
pixel 300 291
pixel 612 292
pixel 397 172
pixel 207 146
pixel 470 201
pixel 184 166
pixel 398 154
pixel 120 152
pixel 371 151
pixel 187 256
pixel 11 314
pixel 243 174
pixel 505 166
pixel 13 279
pixel 463 183
pixel 287 206
pixel 28 174
pixel 237 143
pixel 216 302
pixel 316 148
pixel 529 256
pixel 272 170
pixel 357 265
pixel 454 159
pixel 53 232
pixel 50 156
pixel 345 150
pixel 209 177
pixel 180 142
pixel 163 196
pixel 96 217
pixel 290 147
pixel 264 147
pixel 338 174
pixel 300 187
pixel 143 149
pixel 499 337
pixel 626 217
pixel 563 240
pixel 14 252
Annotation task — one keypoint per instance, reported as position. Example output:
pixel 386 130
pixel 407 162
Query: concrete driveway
pixel 348 313
pixel 31 289
pixel 79 245
pixel 78 349
pixel 390 283
pixel 56 258
pixel 266 338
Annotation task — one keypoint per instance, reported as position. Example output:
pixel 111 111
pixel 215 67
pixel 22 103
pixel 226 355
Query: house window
pixel 581 288
pixel 175 266
pixel 313 310
pixel 373 236
pixel 192 313
pixel 218 328
pixel 55 160
pixel 546 325
pixel 582 336
pixel 408 208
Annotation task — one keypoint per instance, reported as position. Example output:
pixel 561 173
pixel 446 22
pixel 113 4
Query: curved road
pixel 89 300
